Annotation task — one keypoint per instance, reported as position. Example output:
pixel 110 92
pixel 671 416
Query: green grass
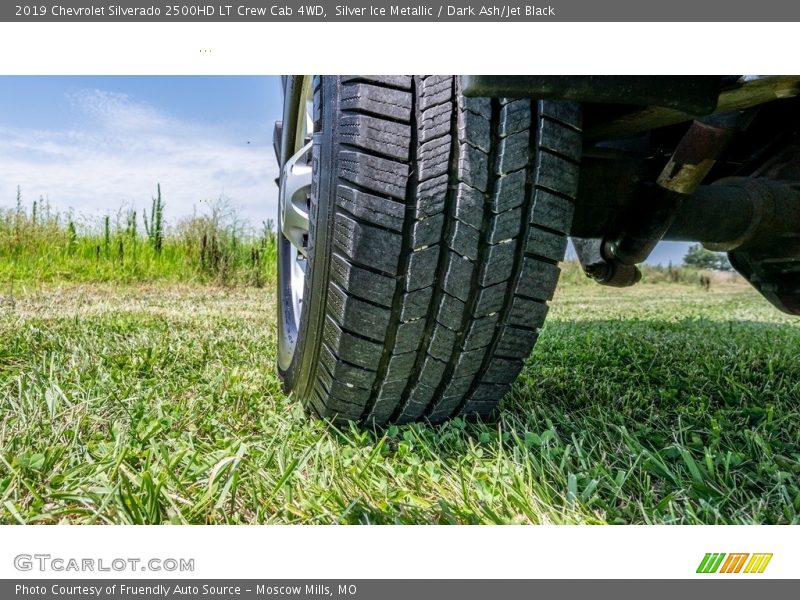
pixel 41 246
pixel 158 403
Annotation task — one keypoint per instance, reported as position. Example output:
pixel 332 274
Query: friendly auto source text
pixel 182 590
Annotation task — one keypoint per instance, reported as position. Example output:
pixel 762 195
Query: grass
pixel 159 403
pixel 39 245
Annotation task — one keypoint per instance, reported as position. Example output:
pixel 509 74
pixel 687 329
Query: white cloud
pixel 118 111
pixel 122 148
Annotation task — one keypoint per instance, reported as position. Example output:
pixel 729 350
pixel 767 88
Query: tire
pixel 437 224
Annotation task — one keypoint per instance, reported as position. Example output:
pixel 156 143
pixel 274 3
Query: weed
pixel 40 246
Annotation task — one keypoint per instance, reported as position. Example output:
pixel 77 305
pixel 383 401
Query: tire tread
pixel 451 216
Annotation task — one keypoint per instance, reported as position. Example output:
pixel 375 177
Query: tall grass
pixel 38 244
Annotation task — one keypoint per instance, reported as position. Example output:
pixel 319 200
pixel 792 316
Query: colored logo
pixel 739 562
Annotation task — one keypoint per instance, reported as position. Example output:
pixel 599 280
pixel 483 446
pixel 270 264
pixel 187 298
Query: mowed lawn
pixel 155 404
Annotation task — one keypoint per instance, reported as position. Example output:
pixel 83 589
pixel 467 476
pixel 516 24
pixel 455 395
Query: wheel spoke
pixel 295 191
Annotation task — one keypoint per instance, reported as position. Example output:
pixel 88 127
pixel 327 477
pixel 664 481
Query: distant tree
pixel 700 258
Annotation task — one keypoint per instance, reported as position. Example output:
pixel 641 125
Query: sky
pixel 100 145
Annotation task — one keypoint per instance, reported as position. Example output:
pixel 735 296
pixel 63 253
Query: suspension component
pixel 652 215
pixel 605 272
pixel 766 250
pixel 756 220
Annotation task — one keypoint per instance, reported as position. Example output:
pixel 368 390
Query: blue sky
pixel 96 145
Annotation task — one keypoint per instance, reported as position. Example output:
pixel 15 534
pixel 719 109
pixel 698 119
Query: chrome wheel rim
pixel 294 199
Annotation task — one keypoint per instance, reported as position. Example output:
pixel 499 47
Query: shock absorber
pixel 613 261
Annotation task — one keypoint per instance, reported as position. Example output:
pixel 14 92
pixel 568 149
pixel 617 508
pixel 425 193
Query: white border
pixel 429 552
pixel 332 48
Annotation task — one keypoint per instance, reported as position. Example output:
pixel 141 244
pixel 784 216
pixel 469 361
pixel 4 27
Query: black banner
pixel 388 11
pixel 733 588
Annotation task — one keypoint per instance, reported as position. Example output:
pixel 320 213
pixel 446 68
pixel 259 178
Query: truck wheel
pixel 422 232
